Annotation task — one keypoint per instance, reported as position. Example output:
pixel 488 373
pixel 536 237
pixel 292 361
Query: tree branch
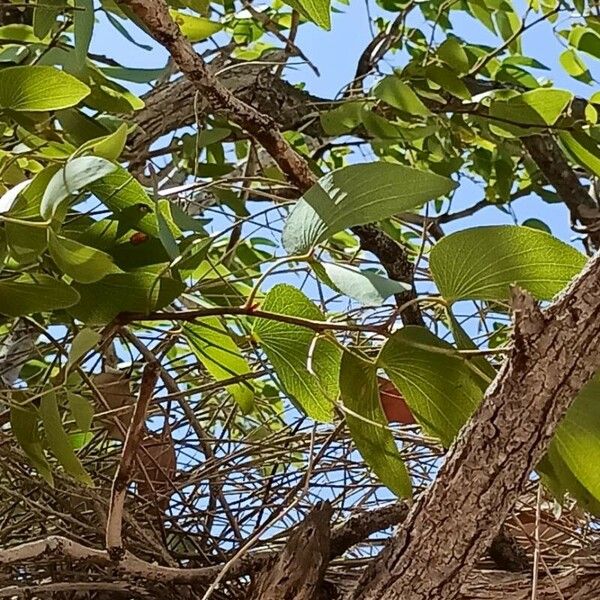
pixel 555 353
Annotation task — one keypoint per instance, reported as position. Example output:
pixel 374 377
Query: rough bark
pixel 555 353
pixel 297 573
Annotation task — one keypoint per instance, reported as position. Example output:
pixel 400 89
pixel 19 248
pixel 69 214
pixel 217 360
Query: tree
pixel 240 344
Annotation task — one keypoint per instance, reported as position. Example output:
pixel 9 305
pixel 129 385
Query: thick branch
pixel 555 353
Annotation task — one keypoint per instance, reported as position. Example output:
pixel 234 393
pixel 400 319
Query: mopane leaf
pixel 439 386
pixel 582 148
pixel 83 25
pixel 195 28
pixel 219 355
pixel 317 11
pixel 82 343
pixel 71 180
pixel 33 293
pixel 81 410
pixel 307 368
pixel 482 263
pixel 577 439
pixel 44 16
pixel 39 88
pixel 24 423
pixel 366 287
pixel 141 291
pixel 368 425
pixel 108 146
pixel 83 263
pixel 355 195
pixel 123 194
pixel 398 94
pixel 58 440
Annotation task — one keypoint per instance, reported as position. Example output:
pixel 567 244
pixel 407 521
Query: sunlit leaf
pixel 307 368
pixel 39 88
pixel 440 388
pixel 482 263
pixel 355 195
pixel 221 357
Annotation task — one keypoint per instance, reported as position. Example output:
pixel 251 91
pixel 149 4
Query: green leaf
pixel 83 263
pixel 540 107
pixel 44 16
pixel 108 146
pixel 194 28
pixel 123 194
pixel 58 440
pixel 307 369
pixel 438 385
pixel 76 175
pixel 83 342
pixel 82 411
pixel 34 293
pixel 141 291
pixel 398 94
pixel 574 66
pixel 448 82
pixel 133 75
pixel 451 51
pixel 586 40
pixel 577 438
pixel 166 235
pixel 24 423
pixel 366 287
pixel 343 118
pixel 355 195
pixel 39 88
pixel 368 425
pixel 317 11
pixel 83 26
pixel 482 263
pixel 582 148
pixel 211 342
pixel 537 224
pixel 509 24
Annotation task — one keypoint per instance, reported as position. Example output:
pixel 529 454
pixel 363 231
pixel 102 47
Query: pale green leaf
pixel 108 146
pixel 368 425
pixel 219 355
pixel 574 66
pixel 582 148
pixel 39 88
pixel 71 180
pixel 482 263
pixel 355 195
pixel 82 411
pixel 83 342
pixel 452 52
pixel 366 287
pixel 307 369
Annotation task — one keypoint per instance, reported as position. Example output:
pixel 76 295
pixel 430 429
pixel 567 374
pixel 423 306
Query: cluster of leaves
pixel 91 249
